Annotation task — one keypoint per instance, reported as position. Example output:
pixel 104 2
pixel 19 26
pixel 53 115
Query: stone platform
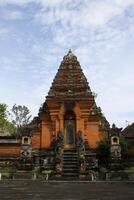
pixel 64 190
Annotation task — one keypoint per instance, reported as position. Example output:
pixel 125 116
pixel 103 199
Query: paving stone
pixel 52 190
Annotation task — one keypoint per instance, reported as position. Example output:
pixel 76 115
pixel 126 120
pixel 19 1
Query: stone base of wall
pixel 120 176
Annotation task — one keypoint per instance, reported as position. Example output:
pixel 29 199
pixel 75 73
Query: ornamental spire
pixel 70 51
pixel 70 57
pixel 70 79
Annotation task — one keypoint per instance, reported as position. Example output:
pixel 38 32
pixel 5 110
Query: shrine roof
pixel 128 132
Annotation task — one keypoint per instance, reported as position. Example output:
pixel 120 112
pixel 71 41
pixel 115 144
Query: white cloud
pixel 91 13
pixel 17 2
pixel 25 2
pixel 92 25
pixel 96 30
pixel 11 15
pixel 3 31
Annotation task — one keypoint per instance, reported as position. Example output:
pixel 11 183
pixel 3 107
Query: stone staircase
pixel 70 164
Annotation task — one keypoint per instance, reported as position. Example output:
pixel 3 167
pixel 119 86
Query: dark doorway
pixel 70 129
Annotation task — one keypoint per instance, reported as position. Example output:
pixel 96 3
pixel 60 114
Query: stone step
pixel 70 166
pixel 70 163
pixel 73 162
pixel 71 154
pixel 70 157
pixel 70 160
pixel 73 159
pixel 72 149
pixel 70 171
pixel 70 174
pixel 73 168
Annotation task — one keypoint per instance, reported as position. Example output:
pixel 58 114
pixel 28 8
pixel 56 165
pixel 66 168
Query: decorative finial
pixel 70 57
pixel 69 51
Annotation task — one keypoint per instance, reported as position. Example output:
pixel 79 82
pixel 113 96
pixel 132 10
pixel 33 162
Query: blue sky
pixel 36 34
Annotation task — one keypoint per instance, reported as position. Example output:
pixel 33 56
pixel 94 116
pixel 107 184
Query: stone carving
pixel 58 151
pixel 51 92
pixel 26 151
pixel 80 142
pixel 83 77
pixel 70 66
pixel 58 168
pixel 82 167
pixel 44 108
pixel 115 152
pixel 115 148
pixel 59 142
pixel 81 152
pixel 70 57
pixel 114 131
pixel 95 109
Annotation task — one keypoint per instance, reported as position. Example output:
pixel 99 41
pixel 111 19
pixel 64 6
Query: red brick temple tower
pixel 62 140
pixel 69 108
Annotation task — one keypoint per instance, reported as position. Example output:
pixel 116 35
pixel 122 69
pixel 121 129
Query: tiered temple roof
pixel 70 80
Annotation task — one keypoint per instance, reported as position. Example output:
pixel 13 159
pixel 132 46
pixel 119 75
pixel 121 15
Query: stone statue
pixel 59 141
pixel 115 152
pixel 80 141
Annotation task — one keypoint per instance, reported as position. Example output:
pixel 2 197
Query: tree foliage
pixel 103 152
pixel 20 116
pixel 3 114
pixel 5 124
pixel 124 144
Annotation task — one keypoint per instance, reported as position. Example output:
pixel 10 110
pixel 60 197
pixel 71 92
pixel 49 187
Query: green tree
pixel 103 152
pixel 20 116
pixel 3 116
pixel 124 144
pixel 5 124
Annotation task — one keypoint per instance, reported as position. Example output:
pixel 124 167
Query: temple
pixel 69 125
pixel 70 109
pixel 70 138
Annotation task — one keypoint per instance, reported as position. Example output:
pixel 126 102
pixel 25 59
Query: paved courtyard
pixel 39 190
